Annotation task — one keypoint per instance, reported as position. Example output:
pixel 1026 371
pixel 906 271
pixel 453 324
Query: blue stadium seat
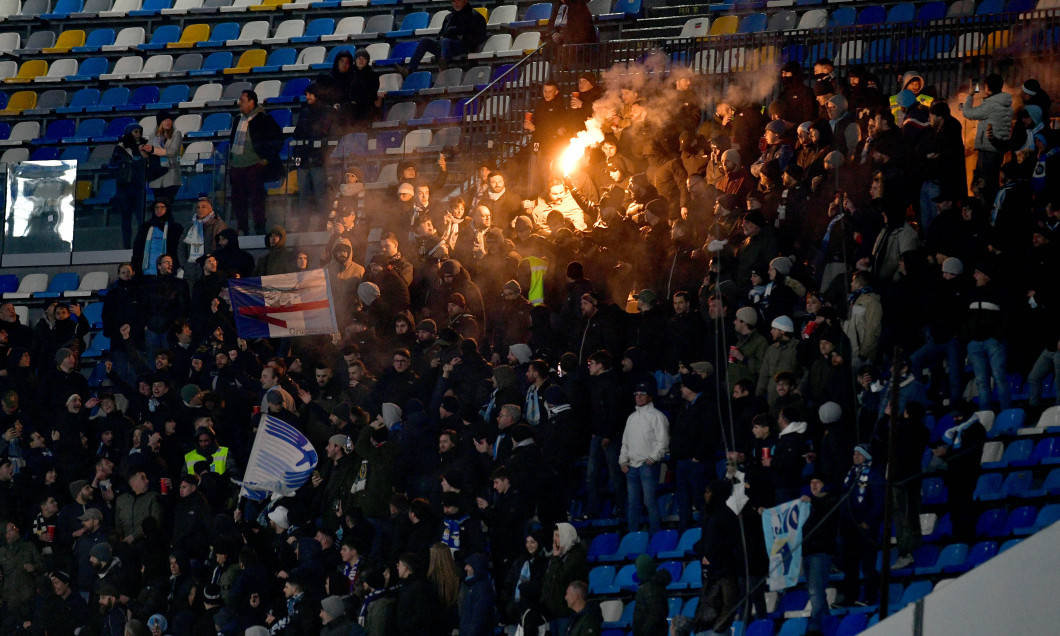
pixel 606 543
pixel 100 345
pixel 90 69
pixel 1046 517
pixel 61 282
pixel 662 541
pixel 282 117
pixel 684 544
pixel 818 51
pixel 47 153
pixel 851 625
pixel 1050 485
pixel 414 82
pixel 75 153
pixel 63 9
pixel 901 13
pixel 1009 544
pixel 220 34
pixel 952 555
pixel 753 23
pixel 93 313
pixel 931 11
pixel 793 626
pixel 991 523
pixel 1017 483
pixel 214 64
pixel 8 283
pixel 843 16
pixel 107 189
pixel 195 185
pixel 916 591
pixel 143 97
pixel 691 576
pixel 114 130
pixel 871 15
pixel 95 40
pixel 933 491
pixel 163 35
pixel 988 7
pixel 625 579
pixel 600 579
pixel 988 487
pixel 761 627
pixel 56 130
pixel 1019 6
pixel 314 30
pixel 353 144
pixel 1007 422
pixel 923 556
pixel 939 44
pixel 409 24
pixel 277 59
pixel 632 544
pixel 111 99
pixel 172 96
pixel 215 125
pixel 621 10
pixel 1020 518
pixel 293 91
pixel 675 568
pixel 80 100
pixel 979 554
pixel 536 12
pixel 436 111
pixel 1017 451
pixel 793 600
pixel 152 7
pixel 400 52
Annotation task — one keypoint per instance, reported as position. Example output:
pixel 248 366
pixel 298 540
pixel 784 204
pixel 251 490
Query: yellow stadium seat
pixel 19 102
pixel 83 191
pixel 268 5
pixel 66 41
pixel 725 25
pixel 192 33
pixel 287 186
pixel 484 11
pixel 996 40
pixel 250 59
pixel 29 70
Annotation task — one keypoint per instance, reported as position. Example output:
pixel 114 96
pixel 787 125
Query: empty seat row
pixel 64 284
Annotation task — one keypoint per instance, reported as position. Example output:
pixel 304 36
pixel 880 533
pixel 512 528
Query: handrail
pixel 505 73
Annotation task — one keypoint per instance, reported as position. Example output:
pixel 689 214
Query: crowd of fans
pixel 486 345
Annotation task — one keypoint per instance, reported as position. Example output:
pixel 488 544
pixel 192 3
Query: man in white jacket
pixel 645 442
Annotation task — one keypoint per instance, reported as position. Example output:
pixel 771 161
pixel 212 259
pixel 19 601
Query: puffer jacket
pixel 995 112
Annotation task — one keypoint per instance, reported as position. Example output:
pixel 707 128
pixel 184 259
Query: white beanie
pixel 279 517
pixel 784 324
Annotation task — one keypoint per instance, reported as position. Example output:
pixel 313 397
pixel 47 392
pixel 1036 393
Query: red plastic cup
pixel 528 117
pixel 51 533
pixel 164 484
pixel 732 353
pixel 766 452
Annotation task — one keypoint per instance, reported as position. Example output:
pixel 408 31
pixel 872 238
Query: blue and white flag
pixel 281 460
pixel 283 305
pixel 783 530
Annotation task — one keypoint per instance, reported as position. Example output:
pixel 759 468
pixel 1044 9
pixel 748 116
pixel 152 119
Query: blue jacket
pixel 477 605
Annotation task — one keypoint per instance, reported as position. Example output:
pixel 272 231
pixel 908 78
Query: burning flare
pixel 590 137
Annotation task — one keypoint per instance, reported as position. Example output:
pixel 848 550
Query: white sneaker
pixel 903 561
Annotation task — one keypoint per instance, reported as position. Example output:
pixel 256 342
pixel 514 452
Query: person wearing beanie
pixel 372 471
pixel 459 319
pixel 692 445
pixel 844 125
pixel 779 299
pixel 781 356
pixel 778 148
pixel 859 530
pixel 509 325
pixel 748 350
pixel 734 178
pixel 819 547
pixel 333 617
pixel 649 615
pixel 796 99
pixel 753 253
pixel 828 378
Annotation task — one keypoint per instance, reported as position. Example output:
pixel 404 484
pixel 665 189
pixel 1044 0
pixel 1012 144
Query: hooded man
pixel 345 275
pixel 566 565
pixel 278 258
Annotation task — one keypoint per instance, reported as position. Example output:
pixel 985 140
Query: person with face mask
pixel 129 165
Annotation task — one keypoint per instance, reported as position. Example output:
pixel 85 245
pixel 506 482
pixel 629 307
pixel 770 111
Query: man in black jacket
pixel 609 408
pixel 463 31
pixel 819 546
pixel 254 159
pixel 692 445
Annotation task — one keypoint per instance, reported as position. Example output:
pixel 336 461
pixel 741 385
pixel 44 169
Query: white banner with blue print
pixel 281 460
pixel 783 532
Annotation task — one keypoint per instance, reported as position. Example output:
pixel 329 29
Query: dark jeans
pixel 857 551
pixel 932 353
pixel 444 48
pixel 248 195
pixel 599 458
pixel 817 567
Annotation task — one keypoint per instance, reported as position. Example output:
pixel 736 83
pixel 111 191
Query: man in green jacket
pixel 745 355
pixel 780 356
pixel 19 562
pixel 132 508
pixel 374 483
pixel 567 564
pixel 587 620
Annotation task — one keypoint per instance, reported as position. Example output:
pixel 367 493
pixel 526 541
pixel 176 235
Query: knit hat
pixel 375 579
pixel 91 513
pixel 362 53
pixel 832 334
pixel 159 621
pixel 503 376
pixel 647 295
pixel 987 268
pixel 450 267
pixel 693 382
pixel 782 264
pixel 953 265
pixel 905 98
pixel 771 170
pixel 275 396
pixel 704 368
pixel 62 354
pixel 458 300
pixel 256 630
pixel 863 450
pixel 368 293
pixel 748 315
pixel 512 286
pixel 406 188
pixel 755 217
pixel 341 411
pixel 333 606
pixel 339 440
pixel 279 517
pixel 188 392
pixel 777 127
pixel 522 352
pixel 101 551
pixel 451 500
pixel 1031 87
pixel 829 412
pixel 575 270
pixel 795 170
pixel 783 323
pixel 523 223
pixel 451 404
pixel 76 486
pixel 555 396
pixel 645 387
pixel 805 126
pixel 211 592
pixel 732 156
pixel 429 326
